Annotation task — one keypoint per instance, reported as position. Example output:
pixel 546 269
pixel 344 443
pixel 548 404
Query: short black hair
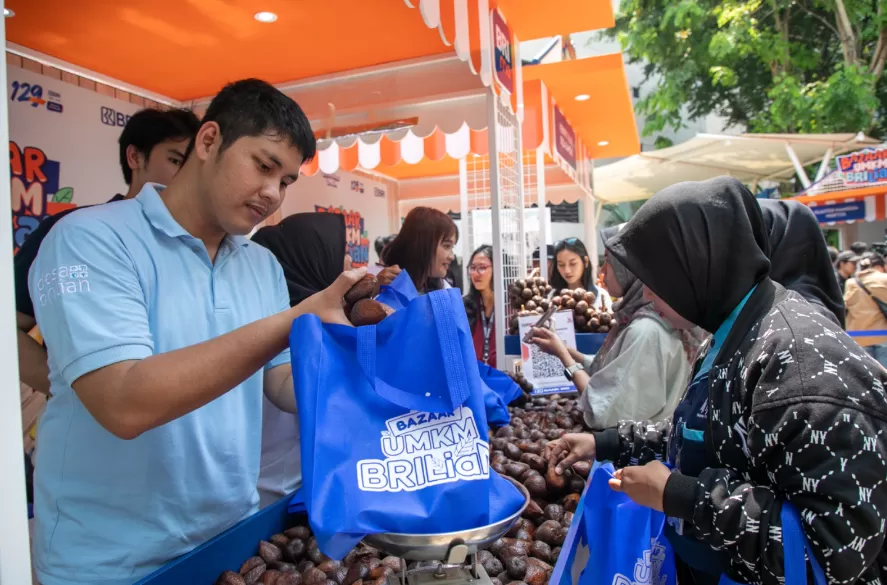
pixel 870 259
pixel 859 248
pixel 846 256
pixel 383 241
pixel 833 254
pixel 252 107
pixel 149 127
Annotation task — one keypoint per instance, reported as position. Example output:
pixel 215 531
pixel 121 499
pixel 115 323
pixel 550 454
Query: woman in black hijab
pixel 311 249
pixel 784 410
pixel 799 256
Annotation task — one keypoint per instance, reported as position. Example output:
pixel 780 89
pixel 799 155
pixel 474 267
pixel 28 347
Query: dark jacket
pixel 819 439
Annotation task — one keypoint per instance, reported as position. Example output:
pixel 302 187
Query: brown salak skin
pixel 230 578
pixel 369 312
pixel 363 289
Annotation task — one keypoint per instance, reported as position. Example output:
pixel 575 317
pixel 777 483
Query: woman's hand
pixel 388 274
pixel 569 449
pixel 327 304
pixel 645 484
pixel 548 341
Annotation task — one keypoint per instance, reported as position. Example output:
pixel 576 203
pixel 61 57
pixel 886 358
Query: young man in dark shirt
pixel 152 148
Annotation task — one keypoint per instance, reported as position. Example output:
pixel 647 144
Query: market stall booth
pixel 445 88
pixel 849 199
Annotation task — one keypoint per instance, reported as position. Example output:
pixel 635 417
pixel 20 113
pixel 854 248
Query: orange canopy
pixel 604 120
pixel 187 49
pixel 559 17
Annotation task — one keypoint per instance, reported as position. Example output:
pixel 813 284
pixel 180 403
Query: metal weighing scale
pixel 448 558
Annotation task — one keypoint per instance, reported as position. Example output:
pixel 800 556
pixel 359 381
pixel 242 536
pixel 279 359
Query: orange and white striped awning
pixel 371 151
pixel 418 148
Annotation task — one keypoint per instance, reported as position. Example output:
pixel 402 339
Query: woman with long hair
pixel 311 250
pixel 424 248
pixel 643 366
pixel 785 409
pixel 479 304
pixel 573 270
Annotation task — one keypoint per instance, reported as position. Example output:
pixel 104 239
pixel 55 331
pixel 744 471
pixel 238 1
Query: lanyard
pixel 487 323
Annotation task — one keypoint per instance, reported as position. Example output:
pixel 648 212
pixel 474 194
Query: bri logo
pixel 111 117
pixel 424 449
pixel 647 569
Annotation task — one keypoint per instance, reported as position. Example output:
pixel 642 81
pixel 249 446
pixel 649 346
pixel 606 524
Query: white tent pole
pixel 543 217
pixel 496 216
pixel 15 549
pixel 466 235
pixel 799 168
pixel 823 166
pixel 590 216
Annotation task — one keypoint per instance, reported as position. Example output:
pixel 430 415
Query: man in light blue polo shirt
pixel 164 326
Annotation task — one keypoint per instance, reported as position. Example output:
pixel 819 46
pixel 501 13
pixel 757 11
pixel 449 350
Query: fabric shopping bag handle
pixel 794 545
pixel 451 351
pixel 403 298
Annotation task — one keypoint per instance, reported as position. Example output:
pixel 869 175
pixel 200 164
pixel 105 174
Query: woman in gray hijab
pixel 641 369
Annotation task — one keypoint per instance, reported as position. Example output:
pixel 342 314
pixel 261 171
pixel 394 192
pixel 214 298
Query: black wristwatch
pixel 569 371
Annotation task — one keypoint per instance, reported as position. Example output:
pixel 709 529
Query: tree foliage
pixel 766 65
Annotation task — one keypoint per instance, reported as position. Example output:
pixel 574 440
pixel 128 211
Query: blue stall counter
pixel 587 343
pixel 227 551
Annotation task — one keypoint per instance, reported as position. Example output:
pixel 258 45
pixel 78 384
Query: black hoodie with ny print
pixel 797 410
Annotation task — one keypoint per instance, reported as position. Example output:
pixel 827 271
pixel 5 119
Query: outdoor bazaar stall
pixel 849 199
pixel 391 116
pixel 447 165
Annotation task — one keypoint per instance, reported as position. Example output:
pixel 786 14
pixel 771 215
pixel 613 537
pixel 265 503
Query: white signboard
pixel 543 371
pixel 63 149
pixel 362 201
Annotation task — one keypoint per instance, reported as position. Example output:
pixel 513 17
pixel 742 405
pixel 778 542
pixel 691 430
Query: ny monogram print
pixel 802 416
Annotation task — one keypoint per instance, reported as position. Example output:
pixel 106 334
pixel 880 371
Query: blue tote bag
pixel 618 542
pixel 393 427
pixel 499 390
pixel 399 293
pixel 626 542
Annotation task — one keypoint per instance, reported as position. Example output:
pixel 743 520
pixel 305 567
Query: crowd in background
pixel 862 278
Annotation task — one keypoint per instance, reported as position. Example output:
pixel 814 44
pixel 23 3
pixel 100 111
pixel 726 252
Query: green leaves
pixel 723 76
pixel 769 65
pixel 63 195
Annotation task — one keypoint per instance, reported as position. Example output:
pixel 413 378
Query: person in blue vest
pixel 784 407
pixel 165 326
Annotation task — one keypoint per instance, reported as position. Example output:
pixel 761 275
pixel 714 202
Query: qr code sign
pixel 546 372
pixel 544 365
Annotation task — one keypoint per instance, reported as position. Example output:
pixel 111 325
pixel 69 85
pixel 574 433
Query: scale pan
pixel 436 547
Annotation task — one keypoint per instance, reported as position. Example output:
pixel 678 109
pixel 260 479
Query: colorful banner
pixel 564 138
pixel 63 148
pixel 34 190
pixel 864 167
pixel 357 242
pixel 503 52
pixel 843 211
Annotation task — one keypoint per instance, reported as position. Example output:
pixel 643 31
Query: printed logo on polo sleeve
pixel 64 280
pixel 425 449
